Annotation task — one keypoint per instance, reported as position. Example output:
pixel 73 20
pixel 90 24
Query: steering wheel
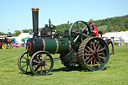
pixel 78 28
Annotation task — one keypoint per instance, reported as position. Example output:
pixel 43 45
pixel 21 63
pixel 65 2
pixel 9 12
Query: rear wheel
pixel 93 54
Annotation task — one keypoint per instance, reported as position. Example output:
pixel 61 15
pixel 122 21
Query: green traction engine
pixel 77 47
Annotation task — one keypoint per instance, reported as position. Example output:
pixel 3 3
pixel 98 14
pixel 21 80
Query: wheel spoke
pixel 45 57
pixel 35 65
pixel 87 54
pixel 89 60
pixel 36 61
pixel 101 53
pixel 24 58
pixel 81 39
pixel 97 43
pixel 76 38
pixel 87 57
pixel 41 70
pixel 27 68
pixel 47 65
pixel 102 57
pixel 45 69
pixel 102 49
pixel 47 61
pixel 97 62
pixel 94 62
pixel 42 57
pixel 23 62
pixel 38 58
pixel 89 48
pixel 94 46
pixel 24 65
pixel 38 67
pixel 98 48
pixel 91 45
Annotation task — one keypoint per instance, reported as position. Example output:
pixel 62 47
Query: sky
pixel 17 14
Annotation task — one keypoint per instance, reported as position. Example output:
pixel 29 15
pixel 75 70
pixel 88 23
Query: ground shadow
pixel 29 73
pixel 63 69
pixel 78 69
pixel 106 67
pixel 66 69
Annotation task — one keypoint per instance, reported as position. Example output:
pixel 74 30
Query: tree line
pixel 113 24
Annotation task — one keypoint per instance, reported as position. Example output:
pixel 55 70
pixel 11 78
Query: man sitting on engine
pixel 95 31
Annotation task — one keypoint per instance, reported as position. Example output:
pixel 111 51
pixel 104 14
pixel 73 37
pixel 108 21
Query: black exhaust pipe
pixel 35 22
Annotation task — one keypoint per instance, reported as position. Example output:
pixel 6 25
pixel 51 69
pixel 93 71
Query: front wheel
pixel 41 63
pixel 23 62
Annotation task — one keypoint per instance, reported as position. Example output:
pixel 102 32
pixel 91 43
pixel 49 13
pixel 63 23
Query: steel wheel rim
pixel 95 54
pixel 41 63
pixel 23 63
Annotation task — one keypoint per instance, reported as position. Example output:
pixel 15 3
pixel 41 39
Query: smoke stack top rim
pixel 35 9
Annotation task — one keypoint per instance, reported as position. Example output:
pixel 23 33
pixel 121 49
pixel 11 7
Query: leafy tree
pixel 109 28
pixel 9 33
pixel 122 28
pixel 25 31
pixel 17 32
pixel 1 33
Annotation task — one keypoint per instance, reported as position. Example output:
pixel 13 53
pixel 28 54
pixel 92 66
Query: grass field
pixel 115 74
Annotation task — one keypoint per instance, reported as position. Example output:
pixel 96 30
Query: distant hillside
pixel 105 25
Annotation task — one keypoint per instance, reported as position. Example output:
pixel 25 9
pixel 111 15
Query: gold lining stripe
pixel 44 44
pixel 69 46
pixel 57 45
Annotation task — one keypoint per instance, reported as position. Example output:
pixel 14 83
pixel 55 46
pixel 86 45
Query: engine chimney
pixel 35 22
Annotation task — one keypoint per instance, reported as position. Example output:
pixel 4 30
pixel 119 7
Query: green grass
pixel 115 74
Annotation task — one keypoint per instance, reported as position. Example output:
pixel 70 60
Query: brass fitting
pixel 35 9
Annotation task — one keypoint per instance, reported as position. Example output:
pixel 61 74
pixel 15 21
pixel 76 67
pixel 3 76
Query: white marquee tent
pixel 117 35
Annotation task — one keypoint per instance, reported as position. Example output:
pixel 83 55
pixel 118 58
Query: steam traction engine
pixel 78 49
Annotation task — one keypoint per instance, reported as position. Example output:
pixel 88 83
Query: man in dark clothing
pixel 91 24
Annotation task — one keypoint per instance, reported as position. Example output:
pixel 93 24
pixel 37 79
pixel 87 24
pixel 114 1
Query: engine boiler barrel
pixel 51 45
pixel 56 45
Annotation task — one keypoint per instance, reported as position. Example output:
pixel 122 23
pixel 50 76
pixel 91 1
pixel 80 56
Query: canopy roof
pixel 23 39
